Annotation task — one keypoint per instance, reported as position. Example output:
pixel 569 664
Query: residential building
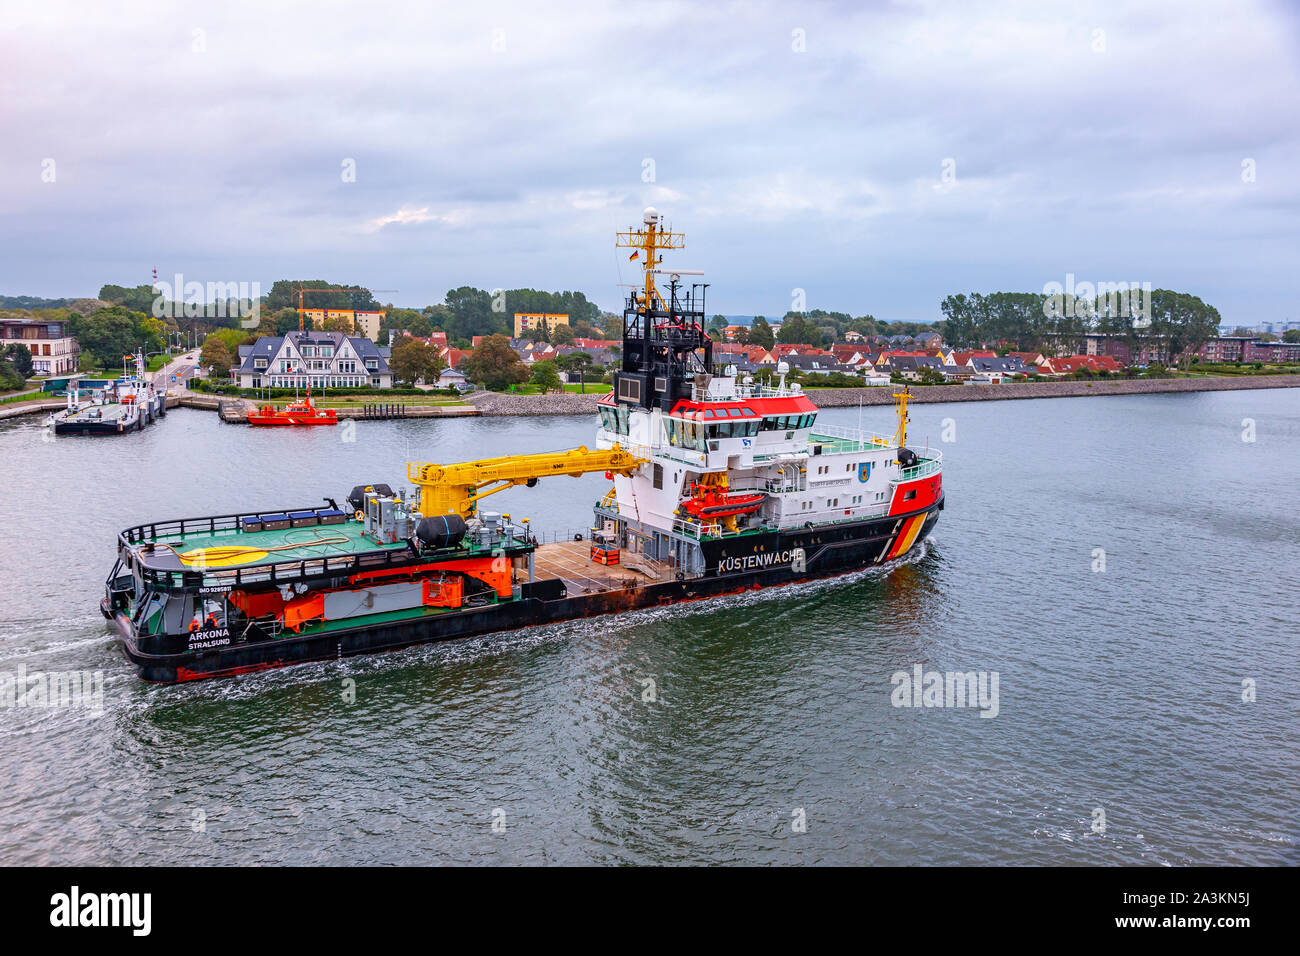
pixel 1004 366
pixel 532 321
pixel 315 359
pixel 963 358
pixel 454 358
pixel 364 322
pixel 1272 352
pixel 54 350
pixel 1030 358
pixel 1068 364
pixel 587 345
pixel 910 366
pixel 452 378
pixel 814 364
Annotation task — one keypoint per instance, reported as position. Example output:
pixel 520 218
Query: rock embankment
pixel 556 403
pixel 847 397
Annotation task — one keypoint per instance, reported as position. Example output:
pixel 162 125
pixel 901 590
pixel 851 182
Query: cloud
pixel 503 146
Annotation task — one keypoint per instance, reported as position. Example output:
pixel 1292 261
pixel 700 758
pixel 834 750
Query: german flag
pixel 633 256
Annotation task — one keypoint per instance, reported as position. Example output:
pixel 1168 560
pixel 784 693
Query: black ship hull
pixel 773 559
pixel 80 427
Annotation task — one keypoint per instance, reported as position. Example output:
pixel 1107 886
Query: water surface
pixel 1119 690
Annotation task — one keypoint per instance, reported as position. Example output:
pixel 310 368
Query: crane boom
pixel 457 489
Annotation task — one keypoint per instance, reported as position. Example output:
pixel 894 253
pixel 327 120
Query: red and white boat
pixel 301 412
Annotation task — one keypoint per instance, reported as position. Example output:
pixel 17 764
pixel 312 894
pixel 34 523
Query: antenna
pixel 650 239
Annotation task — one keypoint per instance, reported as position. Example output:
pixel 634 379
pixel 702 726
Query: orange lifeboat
pixel 711 501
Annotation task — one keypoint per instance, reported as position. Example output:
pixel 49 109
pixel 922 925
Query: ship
pixel 301 413
pixel 719 484
pixel 127 404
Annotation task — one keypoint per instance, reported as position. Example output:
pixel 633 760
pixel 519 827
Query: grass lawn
pixel 24 395
pixel 593 388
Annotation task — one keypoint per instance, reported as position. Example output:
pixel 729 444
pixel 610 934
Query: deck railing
pixel 932 462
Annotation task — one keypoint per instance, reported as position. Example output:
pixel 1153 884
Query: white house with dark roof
pixel 315 359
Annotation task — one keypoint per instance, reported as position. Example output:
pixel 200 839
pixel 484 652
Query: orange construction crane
pixel 301 289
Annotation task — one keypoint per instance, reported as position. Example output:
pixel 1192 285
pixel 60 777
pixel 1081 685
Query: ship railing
pixel 854 435
pixel 693 528
pixel 567 534
pixel 740 391
pixel 860 513
pixel 181 526
pixel 932 463
pixel 277 572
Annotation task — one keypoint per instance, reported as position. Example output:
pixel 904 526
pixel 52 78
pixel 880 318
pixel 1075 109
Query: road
pixel 181 367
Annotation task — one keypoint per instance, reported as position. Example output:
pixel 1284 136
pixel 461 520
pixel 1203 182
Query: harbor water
pixel 1119 572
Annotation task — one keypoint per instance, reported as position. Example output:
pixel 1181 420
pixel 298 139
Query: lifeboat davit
pixel 298 413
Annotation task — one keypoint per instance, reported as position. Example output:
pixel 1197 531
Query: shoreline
pixel 494 403
pixel 497 404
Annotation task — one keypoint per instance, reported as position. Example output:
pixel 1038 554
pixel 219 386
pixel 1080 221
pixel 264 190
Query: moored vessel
pixel 128 404
pixel 299 412
pixel 719 485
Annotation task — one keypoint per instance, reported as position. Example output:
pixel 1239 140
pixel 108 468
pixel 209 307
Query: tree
pixel 1291 335
pixel 286 320
pixel 20 357
pixel 284 293
pixel 546 377
pixel 339 323
pixel 138 299
pixel 760 333
pixel 717 323
pixel 412 361
pixel 495 365
pixel 562 335
pixel 215 355
pixel 576 363
pixel 1183 323
pixel 471 314
pixel 796 330
pixel 110 333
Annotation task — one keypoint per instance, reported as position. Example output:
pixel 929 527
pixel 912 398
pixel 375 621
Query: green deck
pixel 307 541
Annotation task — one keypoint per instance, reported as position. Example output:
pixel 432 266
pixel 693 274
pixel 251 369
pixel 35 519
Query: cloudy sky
pixel 877 157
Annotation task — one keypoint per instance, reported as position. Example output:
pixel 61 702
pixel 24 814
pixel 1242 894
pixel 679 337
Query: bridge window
pixel 733 430
pixel 615 419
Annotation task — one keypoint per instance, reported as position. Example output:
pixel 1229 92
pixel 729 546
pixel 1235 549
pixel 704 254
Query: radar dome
pixel 651 214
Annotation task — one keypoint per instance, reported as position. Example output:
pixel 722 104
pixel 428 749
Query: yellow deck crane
pixel 457 489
